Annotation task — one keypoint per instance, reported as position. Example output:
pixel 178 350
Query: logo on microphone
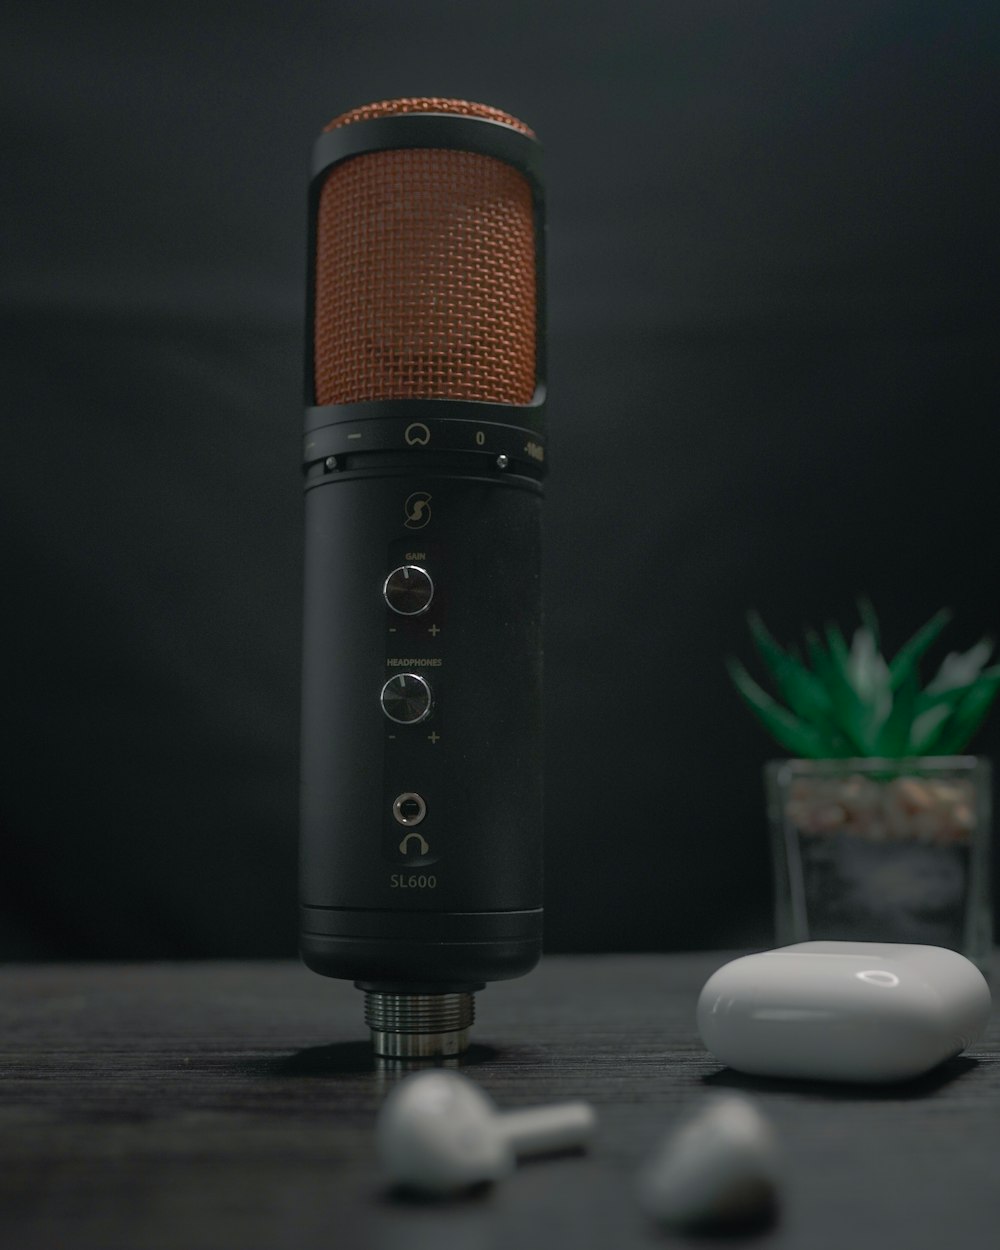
pixel 417 509
pixel 417 435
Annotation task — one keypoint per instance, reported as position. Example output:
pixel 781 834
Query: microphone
pixel 421 812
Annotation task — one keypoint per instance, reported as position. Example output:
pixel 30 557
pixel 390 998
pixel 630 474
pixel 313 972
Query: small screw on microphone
pixel 502 461
pixel 330 463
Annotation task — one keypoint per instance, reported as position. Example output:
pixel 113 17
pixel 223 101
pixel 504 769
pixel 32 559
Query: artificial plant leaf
pixel 868 674
pixel 909 655
pixel 841 696
pixel 818 656
pixel 869 618
pixel 793 734
pixel 949 698
pixel 892 739
pixel 961 668
pixel 934 708
pixel 800 688
pixel 838 646
pixel 849 714
pixel 926 729
pixel 969 713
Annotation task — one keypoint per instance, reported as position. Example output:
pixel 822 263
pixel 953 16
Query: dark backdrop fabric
pixel 773 339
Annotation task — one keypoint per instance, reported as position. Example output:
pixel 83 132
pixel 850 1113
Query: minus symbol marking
pixel 350 436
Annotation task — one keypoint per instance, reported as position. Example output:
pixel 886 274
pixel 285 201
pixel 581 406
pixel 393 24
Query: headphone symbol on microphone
pixel 417 509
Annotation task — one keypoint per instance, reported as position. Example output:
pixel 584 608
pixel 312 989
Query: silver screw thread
pixel 419 1026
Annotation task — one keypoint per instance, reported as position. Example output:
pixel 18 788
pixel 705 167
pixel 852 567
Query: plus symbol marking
pixel 434 738
pixel 434 631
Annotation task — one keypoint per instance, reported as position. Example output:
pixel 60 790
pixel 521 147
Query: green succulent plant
pixel 845 701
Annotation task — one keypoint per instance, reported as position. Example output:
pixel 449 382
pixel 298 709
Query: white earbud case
pixel 843 1011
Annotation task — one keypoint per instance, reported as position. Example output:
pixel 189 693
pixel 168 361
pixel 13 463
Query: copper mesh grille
pixel 425 274
pixel 428 104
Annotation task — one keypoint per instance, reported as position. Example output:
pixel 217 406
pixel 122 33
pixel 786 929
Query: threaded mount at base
pixel 419 1026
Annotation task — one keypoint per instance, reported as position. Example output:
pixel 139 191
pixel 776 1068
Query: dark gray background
pixel 773 342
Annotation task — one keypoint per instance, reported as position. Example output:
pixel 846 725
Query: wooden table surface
pixel 230 1105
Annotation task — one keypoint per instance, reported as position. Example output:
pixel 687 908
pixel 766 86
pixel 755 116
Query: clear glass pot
pixel 883 850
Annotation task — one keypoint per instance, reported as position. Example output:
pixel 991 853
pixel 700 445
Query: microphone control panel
pixel 422 728
pixel 412 698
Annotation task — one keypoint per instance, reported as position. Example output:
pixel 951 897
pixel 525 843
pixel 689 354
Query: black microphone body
pixel 421 835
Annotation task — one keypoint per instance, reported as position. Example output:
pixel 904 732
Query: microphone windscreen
pixel 425 271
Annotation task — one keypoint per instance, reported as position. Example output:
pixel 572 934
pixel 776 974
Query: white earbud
pixel 720 1168
pixel 439 1133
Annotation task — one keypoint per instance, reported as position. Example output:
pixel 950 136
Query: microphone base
pixel 419 1026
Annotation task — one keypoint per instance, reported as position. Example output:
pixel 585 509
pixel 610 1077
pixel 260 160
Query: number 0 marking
pixel 480 437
